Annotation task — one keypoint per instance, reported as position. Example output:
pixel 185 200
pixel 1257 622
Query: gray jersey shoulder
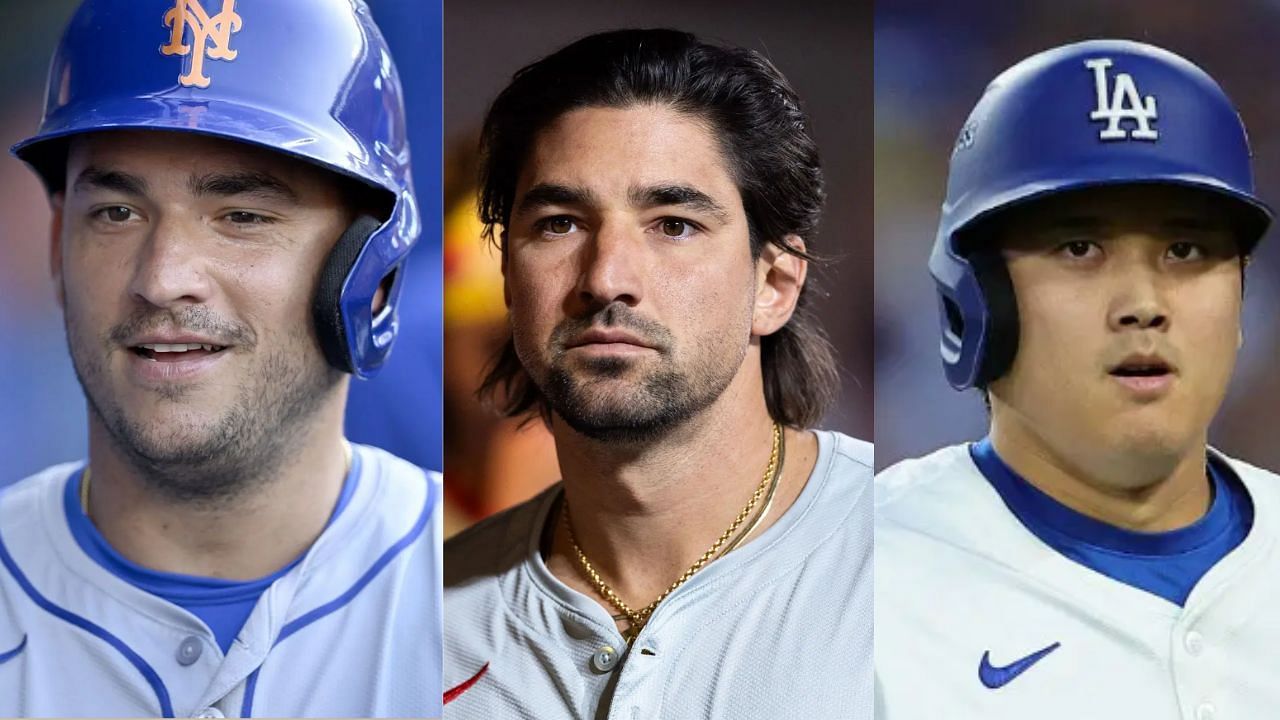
pixel 363 603
pixel 781 625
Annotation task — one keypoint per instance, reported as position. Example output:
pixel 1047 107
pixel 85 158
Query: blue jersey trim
pixel 7 656
pixel 152 678
pixel 179 588
pixel 222 605
pixel 1167 564
pixel 251 684
pixel 1037 509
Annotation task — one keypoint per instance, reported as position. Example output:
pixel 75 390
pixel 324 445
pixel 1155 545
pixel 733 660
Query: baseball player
pixel 705 555
pixel 231 202
pixel 1092 556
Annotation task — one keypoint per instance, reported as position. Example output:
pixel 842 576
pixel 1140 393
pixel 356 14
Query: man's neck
pixel 252 535
pixel 1145 495
pixel 644 515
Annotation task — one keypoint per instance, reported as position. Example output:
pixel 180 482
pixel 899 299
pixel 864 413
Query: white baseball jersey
pixel 353 630
pixel 780 627
pixel 978 618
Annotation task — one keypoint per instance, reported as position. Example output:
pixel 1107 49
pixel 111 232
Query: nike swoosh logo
pixel 997 677
pixel 456 691
pixel 7 656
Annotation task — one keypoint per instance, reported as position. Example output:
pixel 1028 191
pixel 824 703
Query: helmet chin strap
pixel 326 308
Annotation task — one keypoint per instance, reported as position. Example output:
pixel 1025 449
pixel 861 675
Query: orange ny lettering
pixel 204 29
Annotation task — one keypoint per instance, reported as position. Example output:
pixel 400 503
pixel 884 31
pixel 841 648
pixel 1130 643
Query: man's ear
pixel 780 277
pixel 56 202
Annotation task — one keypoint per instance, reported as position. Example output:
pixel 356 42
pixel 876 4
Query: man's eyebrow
pixel 679 195
pixel 97 178
pixel 548 194
pixel 242 183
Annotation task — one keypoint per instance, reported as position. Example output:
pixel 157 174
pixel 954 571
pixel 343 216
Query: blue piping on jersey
pixel 6 657
pixel 153 679
pixel 223 605
pixel 251 684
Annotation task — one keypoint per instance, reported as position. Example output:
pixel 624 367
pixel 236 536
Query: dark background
pixel 932 61
pixel 824 49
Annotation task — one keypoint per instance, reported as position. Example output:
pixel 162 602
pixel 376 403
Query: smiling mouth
pixel 175 352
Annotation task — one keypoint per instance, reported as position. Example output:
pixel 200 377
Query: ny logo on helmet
pixel 1126 104
pixel 204 28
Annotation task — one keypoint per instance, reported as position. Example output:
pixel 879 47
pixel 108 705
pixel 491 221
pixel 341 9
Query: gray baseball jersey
pixel 780 627
pixel 976 617
pixel 352 630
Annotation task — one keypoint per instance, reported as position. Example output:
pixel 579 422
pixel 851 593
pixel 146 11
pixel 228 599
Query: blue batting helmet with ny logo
pixel 1096 113
pixel 309 78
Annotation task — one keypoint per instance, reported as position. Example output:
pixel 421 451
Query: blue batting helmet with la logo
pixel 1102 112
pixel 309 78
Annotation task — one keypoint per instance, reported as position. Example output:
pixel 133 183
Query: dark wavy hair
pixel 763 134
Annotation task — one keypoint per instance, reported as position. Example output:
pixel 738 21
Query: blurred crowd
pixel 42 413
pixel 932 61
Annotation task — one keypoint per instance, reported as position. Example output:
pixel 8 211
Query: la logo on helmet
pixel 204 28
pixel 1126 104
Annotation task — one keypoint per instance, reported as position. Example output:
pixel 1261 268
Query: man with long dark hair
pixel 652 196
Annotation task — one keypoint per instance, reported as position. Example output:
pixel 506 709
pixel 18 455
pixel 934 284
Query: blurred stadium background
pixel 42 411
pixel 823 48
pixel 932 61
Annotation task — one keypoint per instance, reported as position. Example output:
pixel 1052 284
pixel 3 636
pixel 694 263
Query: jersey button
pixel 188 652
pixel 209 713
pixel 1206 711
pixel 1193 642
pixel 605 659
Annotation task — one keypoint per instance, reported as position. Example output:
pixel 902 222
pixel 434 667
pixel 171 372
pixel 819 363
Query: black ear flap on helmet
pixel 1002 307
pixel 325 308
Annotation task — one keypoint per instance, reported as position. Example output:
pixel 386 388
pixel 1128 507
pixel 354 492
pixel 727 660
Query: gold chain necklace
pixel 637 618
pixel 764 507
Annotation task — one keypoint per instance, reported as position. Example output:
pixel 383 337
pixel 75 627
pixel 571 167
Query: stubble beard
pixel 656 403
pixel 213 463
